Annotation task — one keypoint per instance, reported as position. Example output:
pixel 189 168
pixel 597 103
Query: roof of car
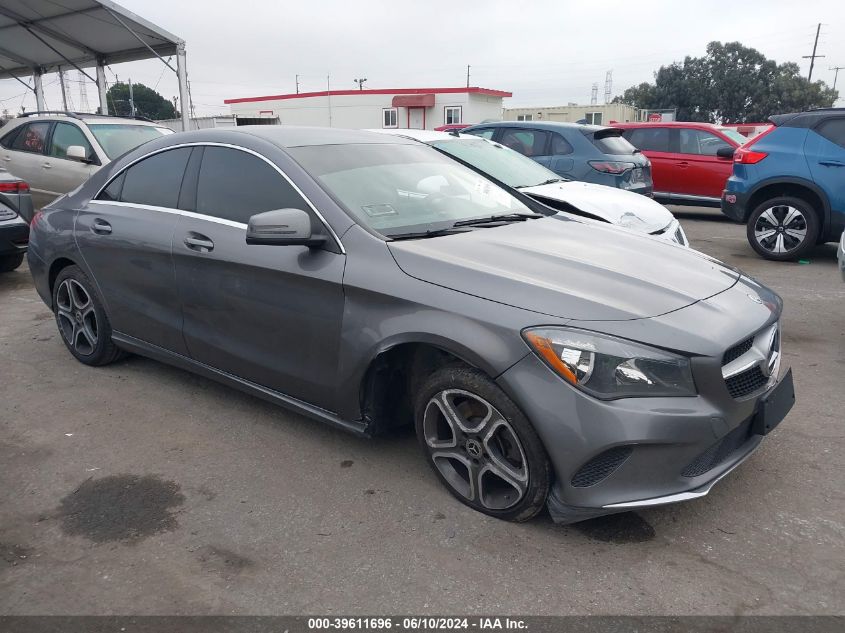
pixel 804 119
pixel 424 136
pixel 688 124
pixel 296 136
pixel 85 117
pixel 542 125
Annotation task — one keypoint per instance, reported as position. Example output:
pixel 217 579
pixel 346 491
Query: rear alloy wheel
pixel 782 229
pixel 82 320
pixel 8 263
pixel 481 445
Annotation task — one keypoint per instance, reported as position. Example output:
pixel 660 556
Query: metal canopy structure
pixel 42 36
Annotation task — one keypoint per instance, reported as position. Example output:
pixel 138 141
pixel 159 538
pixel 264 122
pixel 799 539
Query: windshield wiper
pixel 507 217
pixel 550 181
pixel 417 235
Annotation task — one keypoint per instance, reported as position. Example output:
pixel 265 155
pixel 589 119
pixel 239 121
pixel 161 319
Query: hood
pixel 623 208
pixel 567 269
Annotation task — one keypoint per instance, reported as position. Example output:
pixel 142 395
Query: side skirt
pixel 142 348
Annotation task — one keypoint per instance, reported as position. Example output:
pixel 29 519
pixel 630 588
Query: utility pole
pixel 360 82
pixel 813 57
pixel 467 75
pixel 62 83
pixel 131 99
pixel 836 70
pixel 297 84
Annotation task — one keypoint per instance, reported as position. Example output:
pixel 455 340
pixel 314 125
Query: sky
pixel 545 52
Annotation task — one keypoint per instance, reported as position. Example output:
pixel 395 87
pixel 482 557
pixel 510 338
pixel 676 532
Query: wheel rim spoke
pixel 76 317
pixel 769 216
pixel 475 449
pixel 792 214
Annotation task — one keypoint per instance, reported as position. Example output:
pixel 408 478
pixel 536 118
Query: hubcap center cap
pixel 78 316
pixel 473 448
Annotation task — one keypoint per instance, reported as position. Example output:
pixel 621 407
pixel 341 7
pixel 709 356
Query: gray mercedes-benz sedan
pixel 369 281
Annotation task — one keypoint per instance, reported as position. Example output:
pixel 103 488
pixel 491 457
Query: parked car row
pixel 371 281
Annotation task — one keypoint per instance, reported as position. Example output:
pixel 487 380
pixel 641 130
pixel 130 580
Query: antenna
pixel 608 85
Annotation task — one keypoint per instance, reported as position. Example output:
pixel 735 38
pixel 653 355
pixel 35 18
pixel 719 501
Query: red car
pixel 690 162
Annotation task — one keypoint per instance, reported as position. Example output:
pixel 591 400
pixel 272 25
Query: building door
pixel 416 118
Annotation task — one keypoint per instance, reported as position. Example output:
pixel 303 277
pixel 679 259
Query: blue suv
pixel 788 184
pixel 589 153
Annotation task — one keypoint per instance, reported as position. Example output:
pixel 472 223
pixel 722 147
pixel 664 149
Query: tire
pixel 486 452
pixel 783 228
pixel 81 319
pixel 8 263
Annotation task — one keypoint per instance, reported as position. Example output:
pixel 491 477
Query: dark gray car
pixel 587 153
pixel 369 281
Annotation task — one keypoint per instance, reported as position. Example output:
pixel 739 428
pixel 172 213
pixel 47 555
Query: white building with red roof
pixel 415 108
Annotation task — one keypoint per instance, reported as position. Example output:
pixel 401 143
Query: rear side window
pixel 649 138
pixel 65 135
pixel 234 185
pixel 156 180
pixel 7 140
pixel 33 138
pixel 833 130
pixel 612 142
pixel 485 133
pixel 560 145
pixel 526 142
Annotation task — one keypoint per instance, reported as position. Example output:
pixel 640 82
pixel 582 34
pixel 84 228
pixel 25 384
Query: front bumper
pixel 674 448
pixel 734 205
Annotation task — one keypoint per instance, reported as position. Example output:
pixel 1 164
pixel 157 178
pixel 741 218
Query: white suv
pixel 57 152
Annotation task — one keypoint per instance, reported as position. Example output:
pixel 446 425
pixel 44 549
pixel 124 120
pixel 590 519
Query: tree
pixel 148 102
pixel 730 84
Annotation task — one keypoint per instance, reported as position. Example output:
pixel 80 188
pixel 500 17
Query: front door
pixel 825 152
pixel 702 171
pixel 269 314
pixel 416 119
pixel 125 238
pixel 66 174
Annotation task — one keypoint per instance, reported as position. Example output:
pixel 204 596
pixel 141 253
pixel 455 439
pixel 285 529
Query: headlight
pixel 610 368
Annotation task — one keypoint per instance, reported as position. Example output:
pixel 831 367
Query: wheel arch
pixel 796 188
pixel 56 267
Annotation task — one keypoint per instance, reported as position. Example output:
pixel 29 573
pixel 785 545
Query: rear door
pixel 125 237
pixel 25 158
pixel 66 174
pixel 701 172
pixel 825 152
pixel 269 314
pixel 653 141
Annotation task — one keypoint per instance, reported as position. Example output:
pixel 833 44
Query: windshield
pixel 395 189
pixel 118 138
pixel 734 135
pixel 498 161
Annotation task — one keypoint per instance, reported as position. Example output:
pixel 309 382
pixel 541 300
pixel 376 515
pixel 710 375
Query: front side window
pixel 395 189
pixel 66 135
pixel 33 138
pixel 156 180
pixel 452 115
pixel 509 167
pixel 389 117
pixel 118 138
pixel 234 185
pixel 649 139
pixel 526 142
pixel 700 142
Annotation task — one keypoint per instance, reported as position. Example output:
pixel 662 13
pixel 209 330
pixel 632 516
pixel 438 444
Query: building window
pixel 524 117
pixel 388 117
pixel 452 115
pixel 593 118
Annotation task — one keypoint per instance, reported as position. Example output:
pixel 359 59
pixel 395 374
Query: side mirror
pixel 725 152
pixel 77 152
pixel 283 227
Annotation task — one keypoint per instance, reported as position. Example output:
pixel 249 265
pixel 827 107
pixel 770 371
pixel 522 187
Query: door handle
pixel 200 243
pixel 832 163
pixel 101 227
pixel 45 165
pixel 683 163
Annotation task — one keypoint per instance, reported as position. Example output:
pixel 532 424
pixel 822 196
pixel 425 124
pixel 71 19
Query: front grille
pixel 737 350
pixel 720 451
pixel 746 382
pixel 601 466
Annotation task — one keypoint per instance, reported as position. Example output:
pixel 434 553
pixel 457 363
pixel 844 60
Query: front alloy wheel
pixel 782 229
pixel 480 445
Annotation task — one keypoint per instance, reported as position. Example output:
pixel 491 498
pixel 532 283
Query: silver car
pixel 369 281
pixel 55 153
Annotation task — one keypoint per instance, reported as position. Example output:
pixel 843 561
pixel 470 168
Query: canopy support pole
pixel 40 104
pixel 182 75
pixel 101 87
